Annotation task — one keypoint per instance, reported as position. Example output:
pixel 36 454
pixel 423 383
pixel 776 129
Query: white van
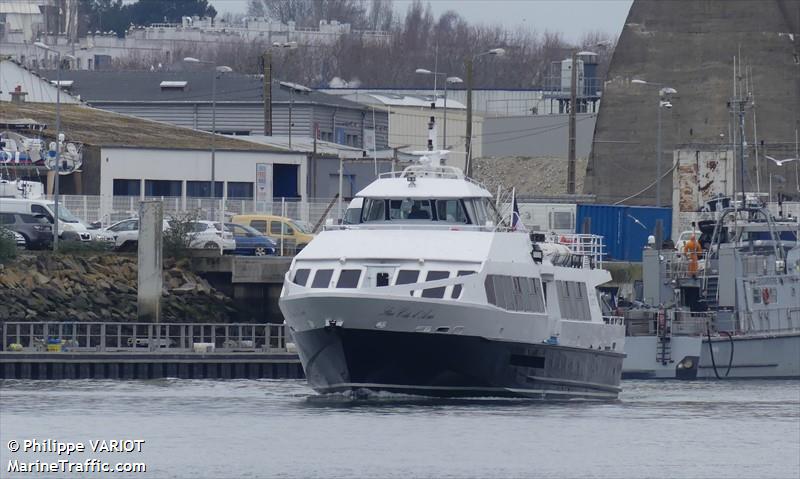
pixel 68 223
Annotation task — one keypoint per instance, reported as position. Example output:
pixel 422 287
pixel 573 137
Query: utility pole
pixel 573 108
pixel 468 142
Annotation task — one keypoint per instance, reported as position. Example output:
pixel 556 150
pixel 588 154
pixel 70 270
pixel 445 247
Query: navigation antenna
pixel 738 106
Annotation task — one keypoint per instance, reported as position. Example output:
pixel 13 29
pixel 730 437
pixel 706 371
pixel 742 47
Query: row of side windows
pixel 349 278
pixel 573 300
pixel 515 293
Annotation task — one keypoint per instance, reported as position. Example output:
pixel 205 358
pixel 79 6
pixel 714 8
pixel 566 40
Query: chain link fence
pixel 109 210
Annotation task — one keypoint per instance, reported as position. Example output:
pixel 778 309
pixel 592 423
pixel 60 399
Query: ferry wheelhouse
pixel 432 292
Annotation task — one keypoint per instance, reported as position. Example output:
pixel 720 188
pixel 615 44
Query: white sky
pixel 570 17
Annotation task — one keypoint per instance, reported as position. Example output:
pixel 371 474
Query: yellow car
pixel 295 234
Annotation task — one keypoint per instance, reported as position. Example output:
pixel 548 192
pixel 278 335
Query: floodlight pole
pixel 214 142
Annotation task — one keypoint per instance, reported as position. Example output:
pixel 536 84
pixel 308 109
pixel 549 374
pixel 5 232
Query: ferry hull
pixel 337 359
pixel 754 356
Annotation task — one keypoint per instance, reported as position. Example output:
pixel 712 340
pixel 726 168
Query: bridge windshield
pixel 466 211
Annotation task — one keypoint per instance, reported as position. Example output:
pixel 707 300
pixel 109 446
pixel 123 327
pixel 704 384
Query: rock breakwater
pixel 47 287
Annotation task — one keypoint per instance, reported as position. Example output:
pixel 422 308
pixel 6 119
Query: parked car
pixel 19 240
pixel 295 235
pixel 124 234
pixel 211 235
pixel 35 230
pixel 69 225
pixel 203 235
pixel 250 241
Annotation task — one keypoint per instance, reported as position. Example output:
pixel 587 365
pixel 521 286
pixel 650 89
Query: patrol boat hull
pixel 751 356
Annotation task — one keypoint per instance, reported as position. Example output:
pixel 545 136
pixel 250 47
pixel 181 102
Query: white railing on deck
pixel 589 247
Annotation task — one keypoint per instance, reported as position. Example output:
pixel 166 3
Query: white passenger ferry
pixel 432 293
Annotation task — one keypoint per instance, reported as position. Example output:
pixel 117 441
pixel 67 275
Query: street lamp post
pixel 290 46
pixel 215 70
pixel 468 69
pixel 447 80
pixel 59 141
pixel 664 96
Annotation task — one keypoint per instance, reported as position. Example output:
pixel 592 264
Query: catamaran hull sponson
pixel 340 359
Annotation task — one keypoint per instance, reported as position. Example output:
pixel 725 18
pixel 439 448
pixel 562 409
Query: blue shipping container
pixel 625 228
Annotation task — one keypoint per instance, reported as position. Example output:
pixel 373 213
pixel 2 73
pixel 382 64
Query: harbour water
pixel 269 428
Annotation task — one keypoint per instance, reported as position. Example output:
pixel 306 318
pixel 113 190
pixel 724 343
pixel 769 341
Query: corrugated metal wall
pixel 623 236
pixel 230 117
pixel 301 119
pixel 249 118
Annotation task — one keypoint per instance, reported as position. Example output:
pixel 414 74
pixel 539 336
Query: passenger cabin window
pixel 301 276
pixel 322 279
pixel 407 276
pixel 348 278
pixel 573 300
pixel 515 293
pixel 457 288
pixel 435 292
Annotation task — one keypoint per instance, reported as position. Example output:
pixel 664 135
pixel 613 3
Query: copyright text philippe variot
pixel 105 456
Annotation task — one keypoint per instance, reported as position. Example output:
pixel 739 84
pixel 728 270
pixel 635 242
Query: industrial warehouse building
pixel 184 98
pixel 127 156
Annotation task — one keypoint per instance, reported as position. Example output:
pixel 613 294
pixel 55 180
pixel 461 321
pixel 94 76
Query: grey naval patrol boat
pixel 431 292
pixel 736 316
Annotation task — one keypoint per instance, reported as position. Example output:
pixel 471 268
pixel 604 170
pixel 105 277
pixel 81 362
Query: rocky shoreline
pixel 102 287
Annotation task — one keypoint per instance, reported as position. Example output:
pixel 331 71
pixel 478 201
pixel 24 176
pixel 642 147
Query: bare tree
pixel 417 40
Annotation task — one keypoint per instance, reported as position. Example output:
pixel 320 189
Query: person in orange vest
pixel 692 249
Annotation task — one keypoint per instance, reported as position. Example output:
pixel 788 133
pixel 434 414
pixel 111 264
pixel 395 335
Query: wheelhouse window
pixel 322 279
pixel 451 211
pixel 457 211
pixel 435 292
pixel 374 210
pixel 348 278
pixel 409 209
pixel 301 276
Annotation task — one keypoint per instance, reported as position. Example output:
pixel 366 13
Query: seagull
pixel 781 162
